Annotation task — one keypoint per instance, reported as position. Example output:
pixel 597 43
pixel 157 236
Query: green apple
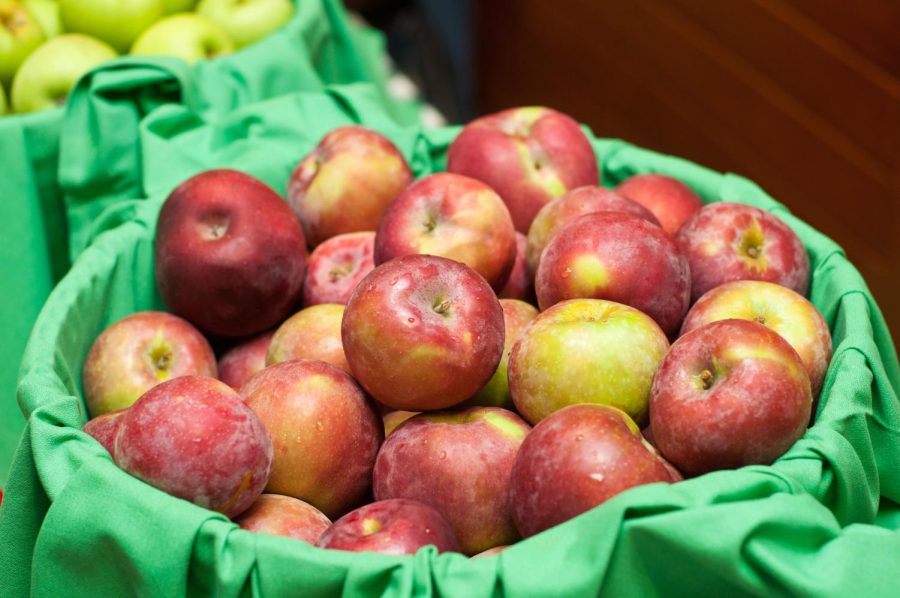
pixel 170 7
pixel 189 36
pixel 47 76
pixel 20 35
pixel 47 14
pixel 117 22
pixel 2 101
pixel 246 21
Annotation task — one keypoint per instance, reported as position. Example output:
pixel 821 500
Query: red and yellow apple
pixel 336 266
pixel 670 200
pixel 311 333
pixel 284 516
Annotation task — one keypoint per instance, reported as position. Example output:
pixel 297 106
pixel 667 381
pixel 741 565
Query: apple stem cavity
pixel 706 379
pixel 442 307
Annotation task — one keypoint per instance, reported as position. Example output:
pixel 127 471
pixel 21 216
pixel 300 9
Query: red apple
pixel 729 394
pixel 242 361
pixel 138 352
pixel 670 200
pixel 284 516
pixel 194 438
pixel 452 216
pixel 396 526
pixel 311 333
pixel 520 284
pixel 786 312
pixel 731 241
pixel 336 266
pixel 459 463
pixel 527 155
pixel 584 200
pixel 576 459
pixel 422 332
pixel 104 429
pixel 619 257
pixel 346 182
pixel 229 254
pixel 325 431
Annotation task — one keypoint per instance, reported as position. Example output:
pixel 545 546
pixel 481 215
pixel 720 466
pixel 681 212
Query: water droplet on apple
pixel 410 320
pixel 443 454
pixel 319 426
pixel 597 476
pixel 579 438
pixel 566 272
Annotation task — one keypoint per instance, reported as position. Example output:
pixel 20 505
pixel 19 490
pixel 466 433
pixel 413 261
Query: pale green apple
pixel 170 7
pixel 188 36
pixel 246 21
pixel 20 35
pixel 48 75
pixel 47 14
pixel 3 107
pixel 117 22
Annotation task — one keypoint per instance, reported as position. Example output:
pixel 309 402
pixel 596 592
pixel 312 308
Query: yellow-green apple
pixel 243 360
pixel 325 430
pixel 459 463
pixel 312 333
pixel 393 419
pixel 670 200
pixel 117 22
pixel 527 155
pixel 785 311
pixel 618 257
pixel 393 526
pixel 345 184
pixel 568 208
pixel 422 332
pixel 20 35
pixel 46 12
pixel 137 353
pixel 516 315
pixel 194 438
pixel 104 427
pixel 336 266
pixel 3 104
pixel 731 241
pixel 170 7
pixel 284 516
pixel 247 21
pixel 50 72
pixel 188 36
pixel 520 284
pixel 229 254
pixel 576 459
pixel 729 394
pixel 586 351
pixel 452 216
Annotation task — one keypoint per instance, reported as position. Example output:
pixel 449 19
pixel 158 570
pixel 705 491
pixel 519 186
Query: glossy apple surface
pixel 104 428
pixel 247 21
pixel 336 266
pixel 284 516
pixel 116 22
pixel 312 333
pixel 240 362
pixel 520 284
pixel 188 36
pixel 670 200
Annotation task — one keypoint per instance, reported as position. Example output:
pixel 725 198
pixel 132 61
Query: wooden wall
pixel 801 96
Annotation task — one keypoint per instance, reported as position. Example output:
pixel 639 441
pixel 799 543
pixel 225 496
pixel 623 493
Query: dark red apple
pixel 520 284
pixel 242 361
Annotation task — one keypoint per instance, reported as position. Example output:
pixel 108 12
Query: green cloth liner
pixel 48 203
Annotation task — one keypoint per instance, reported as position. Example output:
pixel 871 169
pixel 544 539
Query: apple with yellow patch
pixel 312 333
pixel 284 516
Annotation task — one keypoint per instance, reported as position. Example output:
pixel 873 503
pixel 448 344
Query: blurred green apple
pixel 47 14
pixel 2 101
pixel 20 35
pixel 170 7
pixel 246 21
pixel 117 22
pixel 189 36
pixel 47 76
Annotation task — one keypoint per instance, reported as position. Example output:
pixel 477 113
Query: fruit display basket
pixel 46 212
pixel 821 520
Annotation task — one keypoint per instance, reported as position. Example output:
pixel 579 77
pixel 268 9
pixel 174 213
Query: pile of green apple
pixel 47 45
pixel 477 350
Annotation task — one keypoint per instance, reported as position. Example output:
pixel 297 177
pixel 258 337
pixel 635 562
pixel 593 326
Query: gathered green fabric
pixel 61 168
pixel 821 521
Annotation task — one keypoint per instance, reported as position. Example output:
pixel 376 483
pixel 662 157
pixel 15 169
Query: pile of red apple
pixel 435 333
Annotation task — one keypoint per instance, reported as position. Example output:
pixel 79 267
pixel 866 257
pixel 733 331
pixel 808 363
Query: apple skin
pixel 422 332
pixel 566 209
pixel 586 351
pixel 618 257
pixel 345 184
pixel 731 241
pixel 116 22
pixel 49 73
pixel 325 431
pixel 170 7
pixel 520 284
pixel 104 428
pixel 4 106
pixel 786 312
pixel 576 459
pixel 393 419
pixel 138 352
pixel 458 462
pixel 336 266
pixel 490 552
pixel 670 200
pixel 247 21
pixel 240 362
pixel 527 155
pixel 46 13
pixel 284 516
pixel 188 36
pixel 229 254
pixel 312 333
pixel 729 394
pixel 394 526
pixel 20 35
pixel 194 438
pixel 452 216
pixel 516 316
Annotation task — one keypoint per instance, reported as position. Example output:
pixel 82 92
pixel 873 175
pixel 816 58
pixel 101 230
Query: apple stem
pixel 760 319
pixel 753 251
pixel 706 378
pixel 442 307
